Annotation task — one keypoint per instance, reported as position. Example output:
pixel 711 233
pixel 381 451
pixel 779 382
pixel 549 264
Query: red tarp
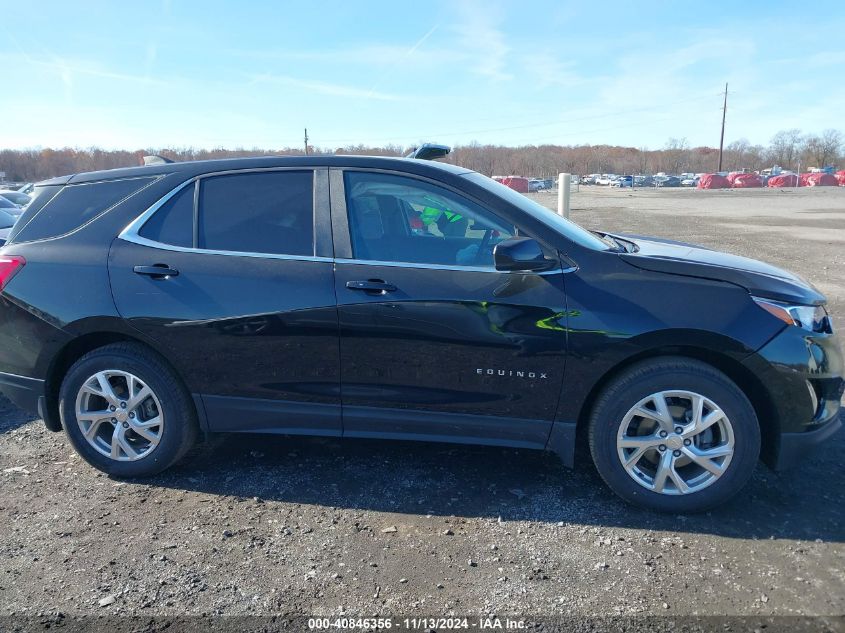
pixel 818 179
pixel 517 183
pixel 784 180
pixel 713 181
pixel 840 177
pixel 747 181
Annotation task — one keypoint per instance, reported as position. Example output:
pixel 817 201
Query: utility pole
pixel 306 144
pixel 722 139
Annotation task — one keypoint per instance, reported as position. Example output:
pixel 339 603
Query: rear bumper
pixel 794 447
pixel 26 393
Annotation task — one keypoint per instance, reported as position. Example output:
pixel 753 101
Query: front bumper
pixel 801 374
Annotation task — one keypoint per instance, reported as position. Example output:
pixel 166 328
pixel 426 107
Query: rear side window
pixel 259 212
pixel 75 205
pixel 173 223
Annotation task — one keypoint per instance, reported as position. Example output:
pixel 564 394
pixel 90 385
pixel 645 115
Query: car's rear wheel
pixel 126 412
pixel 675 435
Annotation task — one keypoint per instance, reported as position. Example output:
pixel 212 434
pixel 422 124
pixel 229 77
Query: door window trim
pixel 455 267
pixel 319 203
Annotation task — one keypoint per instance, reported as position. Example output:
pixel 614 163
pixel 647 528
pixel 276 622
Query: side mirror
pixel 520 254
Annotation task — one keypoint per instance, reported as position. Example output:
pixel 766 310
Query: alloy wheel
pixel 675 442
pixel 119 415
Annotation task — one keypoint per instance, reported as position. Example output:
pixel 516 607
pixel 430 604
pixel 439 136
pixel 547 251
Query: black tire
pixel 665 374
pixel 180 430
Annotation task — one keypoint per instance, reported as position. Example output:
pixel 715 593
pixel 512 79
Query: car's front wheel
pixel 674 435
pixel 126 412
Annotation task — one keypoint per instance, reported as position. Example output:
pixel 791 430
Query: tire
pixel 617 432
pixel 168 403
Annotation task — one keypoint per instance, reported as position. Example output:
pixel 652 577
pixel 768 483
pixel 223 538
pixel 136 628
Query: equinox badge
pixel 512 373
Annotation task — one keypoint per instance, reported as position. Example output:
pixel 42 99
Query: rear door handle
pixel 371 285
pixel 159 271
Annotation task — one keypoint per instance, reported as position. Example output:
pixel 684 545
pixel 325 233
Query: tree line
pixel 791 149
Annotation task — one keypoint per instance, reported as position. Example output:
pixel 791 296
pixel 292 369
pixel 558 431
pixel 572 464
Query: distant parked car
pixel 623 181
pixel 667 181
pixel 10 207
pixel 7 221
pixel 536 184
pixel 16 197
pixel 689 181
pixel 643 181
pixel 605 179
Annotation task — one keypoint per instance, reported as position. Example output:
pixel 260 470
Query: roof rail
pixel 430 151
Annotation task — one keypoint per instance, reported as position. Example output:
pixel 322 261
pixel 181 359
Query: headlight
pixel 810 318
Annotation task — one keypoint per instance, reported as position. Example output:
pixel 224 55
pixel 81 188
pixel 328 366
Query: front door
pixel 231 279
pixel 434 342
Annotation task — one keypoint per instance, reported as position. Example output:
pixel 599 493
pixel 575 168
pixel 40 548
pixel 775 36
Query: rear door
pixel 435 343
pixel 231 277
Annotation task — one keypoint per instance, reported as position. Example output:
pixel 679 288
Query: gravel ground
pixel 272 525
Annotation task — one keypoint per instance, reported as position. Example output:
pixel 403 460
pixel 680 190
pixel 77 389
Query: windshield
pixel 5 203
pixel 565 227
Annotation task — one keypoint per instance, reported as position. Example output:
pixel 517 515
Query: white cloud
pixel 481 41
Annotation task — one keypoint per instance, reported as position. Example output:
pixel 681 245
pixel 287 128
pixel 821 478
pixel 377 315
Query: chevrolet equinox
pixel 373 297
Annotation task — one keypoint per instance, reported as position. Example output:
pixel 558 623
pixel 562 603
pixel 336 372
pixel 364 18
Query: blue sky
pixel 253 73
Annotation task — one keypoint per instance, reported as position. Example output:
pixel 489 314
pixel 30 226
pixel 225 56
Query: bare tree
pixel 821 150
pixel 783 148
pixel 676 155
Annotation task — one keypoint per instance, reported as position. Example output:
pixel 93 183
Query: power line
pixel 563 119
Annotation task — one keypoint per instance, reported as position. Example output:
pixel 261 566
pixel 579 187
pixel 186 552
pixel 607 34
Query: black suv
pixel 405 299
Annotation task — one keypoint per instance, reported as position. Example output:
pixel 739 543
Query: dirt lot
pixel 266 525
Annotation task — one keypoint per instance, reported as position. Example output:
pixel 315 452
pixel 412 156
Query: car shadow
pixel 11 417
pixel 483 482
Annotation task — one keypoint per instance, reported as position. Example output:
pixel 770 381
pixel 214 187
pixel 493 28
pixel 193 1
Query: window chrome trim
pixel 134 238
pixel 455 268
pixel 131 232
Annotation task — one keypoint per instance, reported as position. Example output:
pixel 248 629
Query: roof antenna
pixel 429 151
pixel 155 159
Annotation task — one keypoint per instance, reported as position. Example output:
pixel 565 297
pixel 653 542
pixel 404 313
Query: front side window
pixel 400 219
pixel 258 212
pixel 565 227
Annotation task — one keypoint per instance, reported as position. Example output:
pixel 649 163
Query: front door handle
pixel 159 271
pixel 376 286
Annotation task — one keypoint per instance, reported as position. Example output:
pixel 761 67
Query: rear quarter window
pixel 72 207
pixel 173 223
